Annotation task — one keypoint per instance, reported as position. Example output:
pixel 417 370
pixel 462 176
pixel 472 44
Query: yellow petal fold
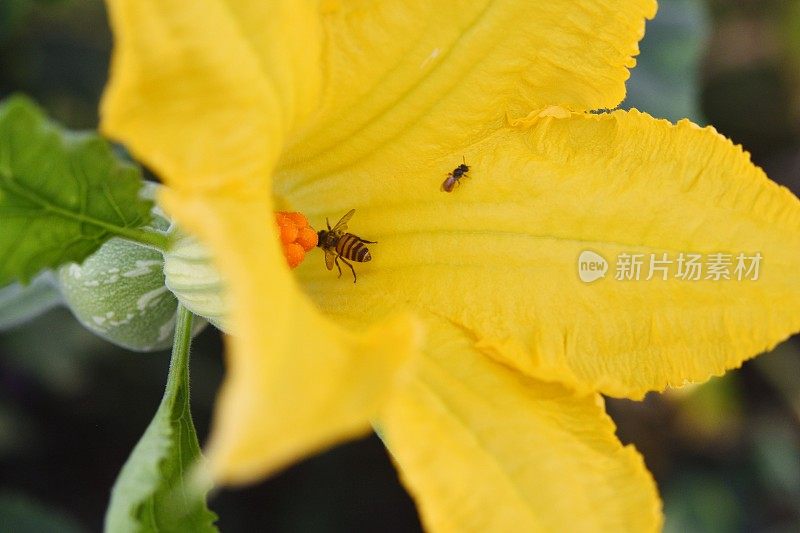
pixel 294 382
pixel 422 78
pixel 499 255
pixel 484 449
pixel 205 91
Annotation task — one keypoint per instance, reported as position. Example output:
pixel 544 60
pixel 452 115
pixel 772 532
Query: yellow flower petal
pixel 205 91
pixel 424 78
pixel 295 383
pixel 484 449
pixel 499 254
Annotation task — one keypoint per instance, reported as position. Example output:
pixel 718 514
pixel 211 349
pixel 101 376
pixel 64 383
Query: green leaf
pixel 62 194
pixel 162 486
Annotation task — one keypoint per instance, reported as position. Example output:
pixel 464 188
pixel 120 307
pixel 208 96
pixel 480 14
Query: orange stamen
pixel 307 238
pixel 294 254
pixel 297 237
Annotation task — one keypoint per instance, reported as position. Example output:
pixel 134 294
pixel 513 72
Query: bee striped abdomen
pixel 350 247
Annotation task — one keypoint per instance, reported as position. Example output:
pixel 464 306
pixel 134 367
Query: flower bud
pixel 119 294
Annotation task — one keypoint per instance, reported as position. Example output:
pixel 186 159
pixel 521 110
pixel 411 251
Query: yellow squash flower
pixel 469 339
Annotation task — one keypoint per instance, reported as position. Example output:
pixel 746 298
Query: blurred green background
pixel 726 454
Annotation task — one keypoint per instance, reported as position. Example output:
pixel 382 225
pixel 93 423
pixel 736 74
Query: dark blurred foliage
pixel 726 454
pixel 665 80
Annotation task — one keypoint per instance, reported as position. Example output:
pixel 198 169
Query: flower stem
pixel 154 239
pixel 179 362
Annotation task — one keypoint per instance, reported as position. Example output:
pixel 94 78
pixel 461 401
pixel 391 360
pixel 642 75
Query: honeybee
pixel 452 178
pixel 340 245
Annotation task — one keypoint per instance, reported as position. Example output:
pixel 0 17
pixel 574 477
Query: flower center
pixel 297 236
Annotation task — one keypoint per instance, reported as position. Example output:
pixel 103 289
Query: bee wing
pixel 342 224
pixel 329 257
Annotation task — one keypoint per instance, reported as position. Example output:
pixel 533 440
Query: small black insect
pixel 452 178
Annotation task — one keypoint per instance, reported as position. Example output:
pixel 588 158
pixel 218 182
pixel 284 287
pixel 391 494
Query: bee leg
pixel 327 223
pixel 336 262
pixel 367 242
pixel 353 270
